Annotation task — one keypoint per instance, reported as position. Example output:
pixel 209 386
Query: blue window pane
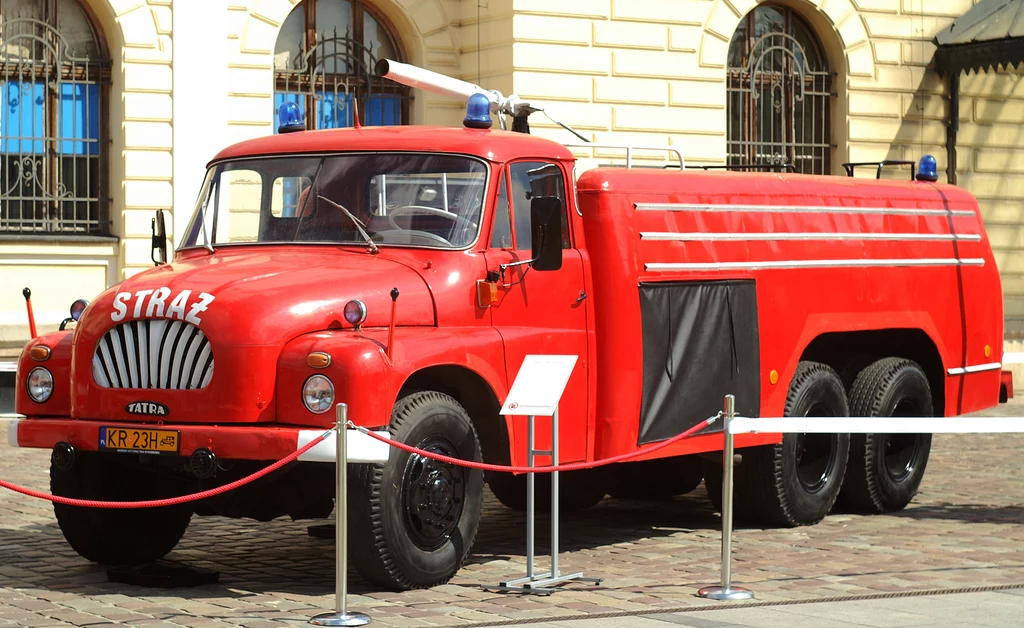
pixel 384 111
pixel 333 111
pixel 79 119
pixel 22 127
pixel 282 97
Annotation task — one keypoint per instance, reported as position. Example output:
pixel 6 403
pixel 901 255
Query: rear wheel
pixel 124 536
pixel 412 519
pixel 885 470
pixel 662 478
pixel 796 482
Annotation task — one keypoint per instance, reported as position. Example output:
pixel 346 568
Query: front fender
pixel 368 380
pixel 59 365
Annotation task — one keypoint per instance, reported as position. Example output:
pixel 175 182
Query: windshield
pixel 369 199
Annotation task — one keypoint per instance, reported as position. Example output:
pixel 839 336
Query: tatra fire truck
pixel 407 271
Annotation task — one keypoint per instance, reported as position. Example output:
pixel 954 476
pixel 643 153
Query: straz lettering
pixel 147 408
pixel 159 304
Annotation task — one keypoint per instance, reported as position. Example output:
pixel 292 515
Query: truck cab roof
pixel 493 145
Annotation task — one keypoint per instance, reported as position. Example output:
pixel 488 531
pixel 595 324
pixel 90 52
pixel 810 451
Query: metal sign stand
pixel 544 379
pixel 533 582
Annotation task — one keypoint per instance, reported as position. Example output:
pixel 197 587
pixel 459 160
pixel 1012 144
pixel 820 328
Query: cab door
pixel 540 312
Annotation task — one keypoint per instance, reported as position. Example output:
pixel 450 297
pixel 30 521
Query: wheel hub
pixel 815 455
pixel 433 495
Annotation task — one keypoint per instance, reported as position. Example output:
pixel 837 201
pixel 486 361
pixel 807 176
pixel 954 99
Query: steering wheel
pixel 405 236
pixel 432 211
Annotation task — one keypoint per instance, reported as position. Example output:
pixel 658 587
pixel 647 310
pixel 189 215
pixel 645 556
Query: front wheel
pixel 413 519
pixel 117 537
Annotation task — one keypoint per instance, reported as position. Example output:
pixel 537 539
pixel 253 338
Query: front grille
pixel 153 353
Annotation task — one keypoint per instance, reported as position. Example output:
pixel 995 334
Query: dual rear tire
pixel 800 480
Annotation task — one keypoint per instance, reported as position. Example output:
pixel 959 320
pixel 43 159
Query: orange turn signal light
pixel 988 351
pixel 318 359
pixel 486 293
pixel 773 377
pixel 39 353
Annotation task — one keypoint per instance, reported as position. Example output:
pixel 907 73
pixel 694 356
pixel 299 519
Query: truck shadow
pixel 280 556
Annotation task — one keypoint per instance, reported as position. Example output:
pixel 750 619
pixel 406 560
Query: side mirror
pixel 159 252
pixel 546 229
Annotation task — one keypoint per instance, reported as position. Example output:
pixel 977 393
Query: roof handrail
pixel 629 148
pixel 849 166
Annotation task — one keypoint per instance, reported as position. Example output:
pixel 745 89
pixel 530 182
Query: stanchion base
pixel 340 619
pixel 540 584
pixel 721 593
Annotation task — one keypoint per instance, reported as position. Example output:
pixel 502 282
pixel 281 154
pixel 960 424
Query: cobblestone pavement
pixel 965 529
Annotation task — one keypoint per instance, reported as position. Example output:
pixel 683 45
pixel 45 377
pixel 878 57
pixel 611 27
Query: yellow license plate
pixel 140 440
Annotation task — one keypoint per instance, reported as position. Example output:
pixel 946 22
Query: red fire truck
pixel 801 295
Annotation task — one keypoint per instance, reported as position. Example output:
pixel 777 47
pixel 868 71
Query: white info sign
pixel 539 385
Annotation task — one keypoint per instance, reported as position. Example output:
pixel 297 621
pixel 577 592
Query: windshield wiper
pixel 202 225
pixel 358 223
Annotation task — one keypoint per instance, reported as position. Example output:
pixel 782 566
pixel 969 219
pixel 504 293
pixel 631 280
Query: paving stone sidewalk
pixel 965 529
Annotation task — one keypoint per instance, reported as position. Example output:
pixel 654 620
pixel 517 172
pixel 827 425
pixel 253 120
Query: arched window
pixel 780 93
pixel 54 74
pixel 324 61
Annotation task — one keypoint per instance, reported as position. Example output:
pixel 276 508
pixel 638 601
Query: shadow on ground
pixel 281 556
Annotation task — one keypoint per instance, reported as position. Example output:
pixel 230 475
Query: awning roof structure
pixel 989 36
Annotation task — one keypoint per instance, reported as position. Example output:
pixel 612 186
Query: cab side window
pixel 531 179
pixel 501 235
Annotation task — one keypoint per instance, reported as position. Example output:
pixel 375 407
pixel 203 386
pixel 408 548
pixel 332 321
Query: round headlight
pixel 39 384
pixel 355 312
pixel 77 308
pixel 318 394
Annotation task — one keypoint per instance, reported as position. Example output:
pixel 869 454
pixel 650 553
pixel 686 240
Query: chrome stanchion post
pixel 554 496
pixel 341 616
pixel 726 591
pixel 531 486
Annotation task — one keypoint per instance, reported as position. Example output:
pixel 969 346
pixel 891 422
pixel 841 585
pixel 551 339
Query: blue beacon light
pixel 927 170
pixel 478 112
pixel 289 118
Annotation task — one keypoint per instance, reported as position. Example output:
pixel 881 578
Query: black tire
pixel 413 520
pixel 885 470
pixel 117 537
pixel 577 490
pixel 797 481
pixel 662 478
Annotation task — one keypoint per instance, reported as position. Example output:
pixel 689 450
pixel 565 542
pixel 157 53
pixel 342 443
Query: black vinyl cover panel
pixel 700 343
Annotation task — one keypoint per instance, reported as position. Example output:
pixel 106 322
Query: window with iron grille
pixel 54 74
pixel 324 61
pixel 779 93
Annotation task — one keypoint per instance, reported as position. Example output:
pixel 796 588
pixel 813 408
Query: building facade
pixel 112 108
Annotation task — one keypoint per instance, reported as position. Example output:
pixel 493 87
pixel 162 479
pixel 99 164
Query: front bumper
pixel 260 442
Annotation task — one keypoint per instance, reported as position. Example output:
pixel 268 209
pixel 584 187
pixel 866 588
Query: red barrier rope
pixel 172 501
pixel 576 466
pixel 184 499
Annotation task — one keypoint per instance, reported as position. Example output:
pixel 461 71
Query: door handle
pixel 579 299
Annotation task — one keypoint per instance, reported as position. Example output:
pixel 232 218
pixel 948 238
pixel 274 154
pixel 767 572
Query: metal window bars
pixel 779 98
pixel 332 76
pixel 53 132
